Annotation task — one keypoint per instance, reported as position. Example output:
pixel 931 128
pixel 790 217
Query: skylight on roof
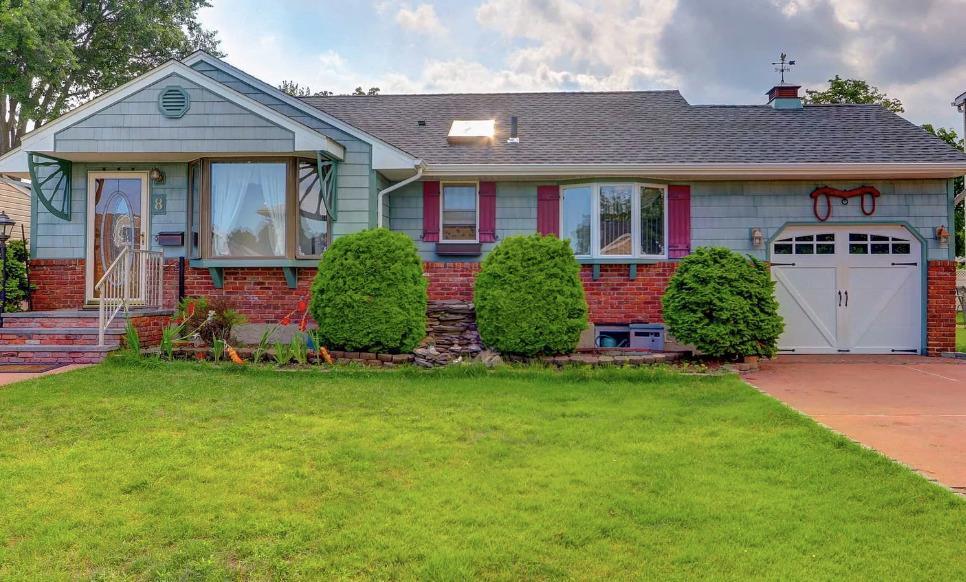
pixel 471 129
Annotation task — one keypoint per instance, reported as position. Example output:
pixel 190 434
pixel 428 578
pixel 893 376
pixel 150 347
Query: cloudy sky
pixel 714 51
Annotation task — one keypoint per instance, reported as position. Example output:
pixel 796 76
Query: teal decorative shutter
pixel 50 182
pixel 328 175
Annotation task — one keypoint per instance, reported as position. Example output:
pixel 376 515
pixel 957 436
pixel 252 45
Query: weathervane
pixel 783 65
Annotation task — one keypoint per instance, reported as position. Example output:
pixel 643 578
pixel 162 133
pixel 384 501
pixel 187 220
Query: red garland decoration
pixel 865 192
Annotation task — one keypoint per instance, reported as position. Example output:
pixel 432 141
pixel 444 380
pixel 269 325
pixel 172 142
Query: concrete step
pixel 58 336
pixel 54 354
pixel 71 318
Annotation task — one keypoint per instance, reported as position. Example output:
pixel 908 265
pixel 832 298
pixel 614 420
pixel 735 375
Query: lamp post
pixel 6 227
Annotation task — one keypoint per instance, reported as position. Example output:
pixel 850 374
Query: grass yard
pixel 960 333
pixel 184 471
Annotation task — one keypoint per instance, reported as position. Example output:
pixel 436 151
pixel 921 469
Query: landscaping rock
pixel 451 334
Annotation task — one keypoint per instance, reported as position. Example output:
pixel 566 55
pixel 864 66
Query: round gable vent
pixel 173 102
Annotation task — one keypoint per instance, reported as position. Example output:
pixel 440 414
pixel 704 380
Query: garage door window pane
pixel 804 249
pixel 858 237
pixel 900 248
pixel 783 249
pixel 858 249
pixel 825 249
pixel 827 237
pixel 880 249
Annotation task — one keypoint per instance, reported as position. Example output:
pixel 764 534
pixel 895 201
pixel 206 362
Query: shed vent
pixel 173 102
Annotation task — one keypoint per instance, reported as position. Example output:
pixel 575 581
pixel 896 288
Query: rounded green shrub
pixel 370 294
pixel 724 304
pixel 529 298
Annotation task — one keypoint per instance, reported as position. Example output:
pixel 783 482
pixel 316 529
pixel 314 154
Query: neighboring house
pixel 200 160
pixel 15 202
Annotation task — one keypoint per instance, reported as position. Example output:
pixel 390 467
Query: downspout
pixel 420 167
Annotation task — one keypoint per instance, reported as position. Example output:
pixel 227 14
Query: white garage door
pixel 848 289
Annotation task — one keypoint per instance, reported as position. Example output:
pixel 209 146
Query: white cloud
pixel 422 19
pixel 716 52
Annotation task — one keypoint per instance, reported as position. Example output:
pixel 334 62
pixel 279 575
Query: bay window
pixel 459 212
pixel 261 208
pixel 248 209
pixel 615 220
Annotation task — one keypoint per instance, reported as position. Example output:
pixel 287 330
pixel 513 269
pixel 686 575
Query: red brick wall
pixel 614 297
pixel 263 295
pixel 451 280
pixel 260 293
pixel 149 328
pixel 58 283
pixel 941 307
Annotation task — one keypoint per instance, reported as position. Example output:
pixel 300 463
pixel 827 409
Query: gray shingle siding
pixel 212 124
pixel 354 188
pixel 722 213
pixel 59 239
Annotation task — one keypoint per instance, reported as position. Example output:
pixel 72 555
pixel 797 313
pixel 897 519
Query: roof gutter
pixel 420 167
pixel 822 171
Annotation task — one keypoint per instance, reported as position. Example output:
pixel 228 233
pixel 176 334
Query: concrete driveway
pixel 912 409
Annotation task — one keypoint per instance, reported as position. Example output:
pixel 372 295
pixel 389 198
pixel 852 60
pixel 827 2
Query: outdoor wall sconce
pixel 757 237
pixel 942 235
pixel 157 176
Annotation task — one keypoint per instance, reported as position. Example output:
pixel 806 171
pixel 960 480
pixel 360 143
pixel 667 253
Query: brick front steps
pixel 69 336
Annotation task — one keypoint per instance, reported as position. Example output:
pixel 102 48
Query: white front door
pixel 848 289
pixel 116 205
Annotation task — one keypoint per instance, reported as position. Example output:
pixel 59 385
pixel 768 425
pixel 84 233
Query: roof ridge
pixel 451 94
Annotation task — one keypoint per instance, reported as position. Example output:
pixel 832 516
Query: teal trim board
pixel 951 217
pixel 291 276
pixel 217 276
pixel 222 263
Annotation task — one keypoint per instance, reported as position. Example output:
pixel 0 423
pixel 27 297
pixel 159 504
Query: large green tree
pixel 949 136
pixel 841 90
pixel 56 54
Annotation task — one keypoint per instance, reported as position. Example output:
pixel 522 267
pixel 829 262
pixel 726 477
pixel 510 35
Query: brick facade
pixel 451 281
pixel 58 283
pixel 616 298
pixel 263 295
pixel 613 297
pixel 941 307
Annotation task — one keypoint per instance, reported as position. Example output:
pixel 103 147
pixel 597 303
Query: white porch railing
pixel 134 278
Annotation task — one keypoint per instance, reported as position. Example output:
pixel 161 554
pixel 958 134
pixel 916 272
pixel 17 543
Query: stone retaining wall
pixel 451 334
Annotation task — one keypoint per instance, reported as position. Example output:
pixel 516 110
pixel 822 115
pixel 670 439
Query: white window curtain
pixel 248 209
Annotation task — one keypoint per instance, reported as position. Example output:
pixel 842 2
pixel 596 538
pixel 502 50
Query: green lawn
pixel 960 333
pixel 184 471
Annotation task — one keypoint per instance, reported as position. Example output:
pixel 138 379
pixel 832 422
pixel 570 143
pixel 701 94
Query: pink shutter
pixel 679 221
pixel 431 211
pixel 548 210
pixel 487 212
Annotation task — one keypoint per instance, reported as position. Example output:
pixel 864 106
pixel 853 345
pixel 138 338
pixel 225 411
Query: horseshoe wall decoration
pixel 867 195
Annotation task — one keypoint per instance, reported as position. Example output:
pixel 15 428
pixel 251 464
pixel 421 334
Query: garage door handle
pixel 846 298
pixel 905 264
pixel 840 299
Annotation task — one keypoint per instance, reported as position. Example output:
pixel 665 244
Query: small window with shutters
pixel 459 216
pixel 615 220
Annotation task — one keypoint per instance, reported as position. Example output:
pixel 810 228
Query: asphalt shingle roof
pixel 637 127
